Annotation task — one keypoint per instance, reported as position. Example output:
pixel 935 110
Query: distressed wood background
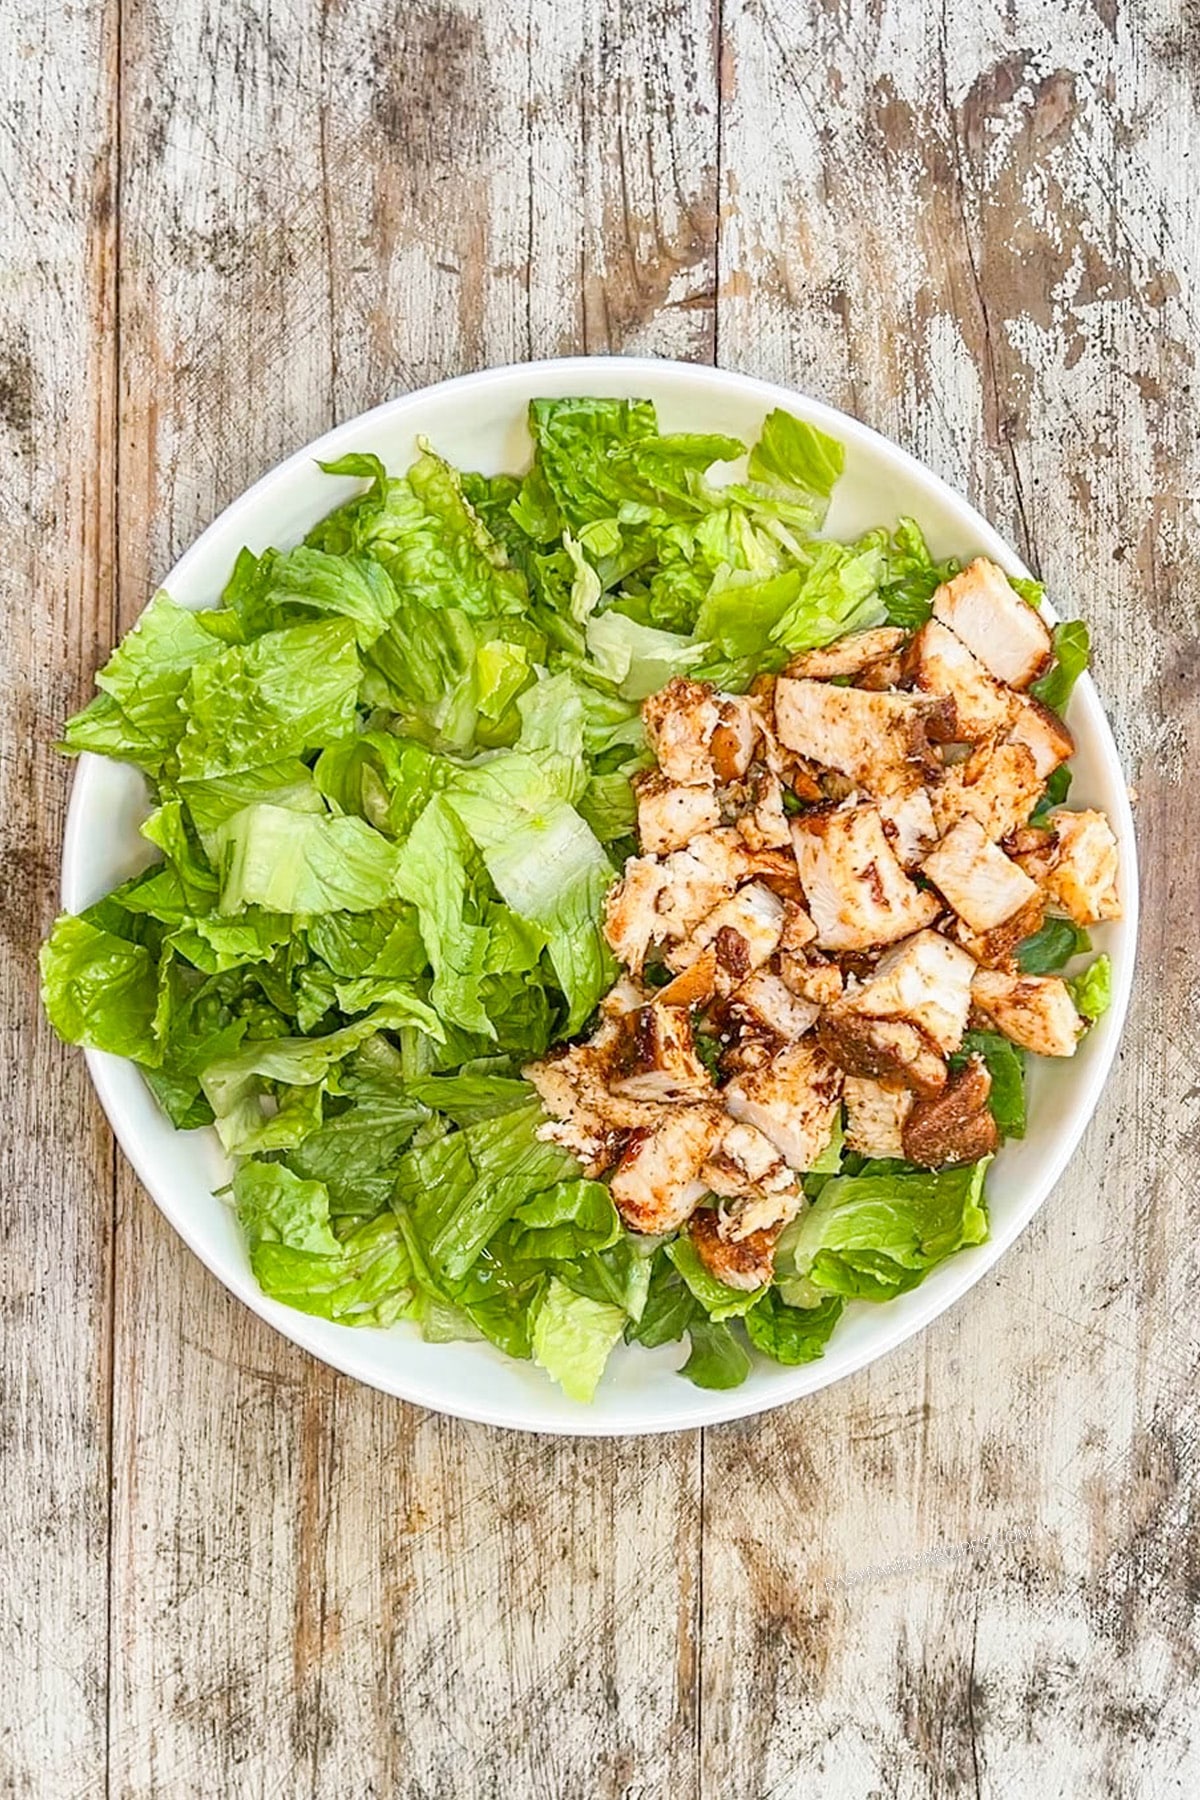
pixel 227 1571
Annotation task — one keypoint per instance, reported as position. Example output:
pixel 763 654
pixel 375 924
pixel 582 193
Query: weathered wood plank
pixel 222 1431
pixel 57 98
pixel 966 1570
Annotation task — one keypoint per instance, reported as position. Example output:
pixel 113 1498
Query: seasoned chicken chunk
pixel 734 1248
pixel 909 823
pixel 766 1005
pixel 669 815
pixel 848 655
pixel 793 1100
pixel 1078 874
pixel 657 1058
pixel 880 742
pixel 858 895
pixel 811 976
pixel 764 824
pixel 698 735
pixel 744 931
pixel 984 886
pixel 893 1051
pixel 586 1118
pixel 1035 1011
pixel 998 784
pixel 693 883
pixel 631 920
pixel 955 1125
pixel 938 662
pixel 1043 734
pixel 926 980
pixel 875 1116
pixel 657 1182
pixel 993 949
pixel 994 623
pixel 745 1164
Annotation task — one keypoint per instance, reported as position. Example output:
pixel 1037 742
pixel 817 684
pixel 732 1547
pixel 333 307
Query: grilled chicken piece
pixel 976 878
pixel 695 985
pixel 743 930
pixel 670 815
pixel 848 656
pixel 746 1165
pixel 740 1255
pixel 657 1182
pixel 908 820
pixel 1043 734
pixel 875 1116
pixel 764 824
pixel 880 742
pixel 696 880
pixel 938 662
pixel 994 623
pixel 1035 1011
pixel 657 1058
pixel 765 1005
pixel 811 976
pixel 1078 870
pixel 993 949
pixel 998 784
pixel 857 892
pixel 585 1117
pixel 954 1126
pixel 793 1101
pixel 926 980
pixel 893 1051
pixel 698 735
pixel 631 919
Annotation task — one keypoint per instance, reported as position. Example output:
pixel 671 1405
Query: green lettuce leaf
pixel 1051 947
pixel 638 659
pixel 136 715
pixel 286 692
pixel 99 990
pixel 565 1221
pixel 1072 652
pixel 792 1334
pixel 872 1236
pixel 304 862
pixel 368 1281
pixel 718 1301
pixel 718 1358
pixel 573 1338
pixel 1092 991
pixel 1006 1066
pixel 796 458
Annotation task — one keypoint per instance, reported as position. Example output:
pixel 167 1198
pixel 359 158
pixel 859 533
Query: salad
pixel 591 905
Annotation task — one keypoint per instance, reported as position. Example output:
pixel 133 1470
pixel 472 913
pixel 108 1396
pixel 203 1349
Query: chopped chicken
pixel 669 815
pixel 698 735
pixel 1043 734
pixel 1035 1011
pixel 744 931
pixel 811 977
pixel 857 892
pixel 692 885
pixel 745 1261
pixel 955 1125
pixel 875 1116
pixel 657 1059
pixel 998 784
pixel 909 822
pixel 745 1164
pixel 848 655
pixel 993 949
pixel 880 742
pixel 938 662
pixel 888 1050
pixel 694 985
pixel 657 1182
pixel 795 772
pixel 764 824
pixel 1078 872
pixel 765 1005
pixel 926 980
pixel 793 1100
pixel 995 624
pixel 585 1117
pixel 630 910
pixel 976 878
pixel 777 870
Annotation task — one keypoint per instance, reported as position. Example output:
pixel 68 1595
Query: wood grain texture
pixel 56 1185
pixel 971 1569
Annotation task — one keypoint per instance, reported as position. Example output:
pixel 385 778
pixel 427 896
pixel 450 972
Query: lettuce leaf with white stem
pixel 286 692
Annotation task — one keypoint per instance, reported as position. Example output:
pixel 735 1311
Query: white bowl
pixel 478 422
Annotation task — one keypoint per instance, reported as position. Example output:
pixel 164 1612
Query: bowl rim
pixel 112 1076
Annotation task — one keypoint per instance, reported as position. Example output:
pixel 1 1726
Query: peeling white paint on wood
pixel 969 1569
